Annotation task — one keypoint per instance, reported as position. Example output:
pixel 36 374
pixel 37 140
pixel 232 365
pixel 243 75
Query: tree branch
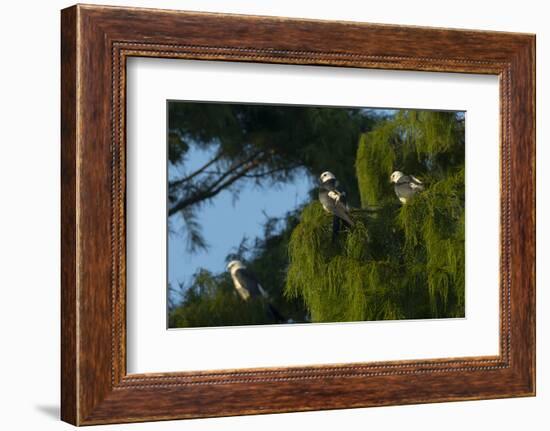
pixel 197 172
pixel 237 171
pixel 238 166
pixel 271 172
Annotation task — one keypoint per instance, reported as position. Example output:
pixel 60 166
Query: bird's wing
pixel 247 280
pixel 413 182
pixel 334 202
pixel 341 211
pixel 335 195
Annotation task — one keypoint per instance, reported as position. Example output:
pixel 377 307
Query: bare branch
pixel 271 172
pixel 237 171
pixel 197 172
pixel 248 163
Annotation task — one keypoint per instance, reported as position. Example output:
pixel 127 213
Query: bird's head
pixel 234 265
pixel 395 176
pixel 327 176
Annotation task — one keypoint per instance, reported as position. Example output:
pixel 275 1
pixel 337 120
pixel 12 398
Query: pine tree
pixel 398 261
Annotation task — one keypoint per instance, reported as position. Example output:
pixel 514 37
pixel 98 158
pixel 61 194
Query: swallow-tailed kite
pixel 405 186
pixel 247 286
pixel 332 199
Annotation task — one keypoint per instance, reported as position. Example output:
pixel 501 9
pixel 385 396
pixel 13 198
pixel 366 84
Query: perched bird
pixel 247 286
pixel 405 186
pixel 332 199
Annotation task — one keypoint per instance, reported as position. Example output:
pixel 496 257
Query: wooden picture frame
pixel 95 43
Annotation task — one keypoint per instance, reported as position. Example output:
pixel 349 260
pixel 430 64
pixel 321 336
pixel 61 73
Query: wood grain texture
pixel 96 41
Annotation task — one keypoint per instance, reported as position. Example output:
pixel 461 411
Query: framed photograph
pixel 265 215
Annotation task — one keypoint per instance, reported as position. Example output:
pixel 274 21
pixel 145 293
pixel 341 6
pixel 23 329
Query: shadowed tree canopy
pixel 266 144
pixel 400 261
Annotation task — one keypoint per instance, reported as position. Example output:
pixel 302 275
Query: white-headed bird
pixel 247 286
pixel 332 199
pixel 405 186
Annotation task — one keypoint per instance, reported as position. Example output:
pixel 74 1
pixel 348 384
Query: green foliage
pixel 399 261
pixel 340 281
pixel 374 164
pixel 425 143
pixel 321 274
pixel 434 229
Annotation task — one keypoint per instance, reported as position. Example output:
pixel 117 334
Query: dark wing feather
pixel 336 207
pixel 341 211
pixel 249 281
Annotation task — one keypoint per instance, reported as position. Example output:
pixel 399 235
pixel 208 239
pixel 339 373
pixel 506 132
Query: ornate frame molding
pixel 96 41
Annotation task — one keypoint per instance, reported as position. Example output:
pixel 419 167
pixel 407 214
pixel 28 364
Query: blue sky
pixel 225 222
